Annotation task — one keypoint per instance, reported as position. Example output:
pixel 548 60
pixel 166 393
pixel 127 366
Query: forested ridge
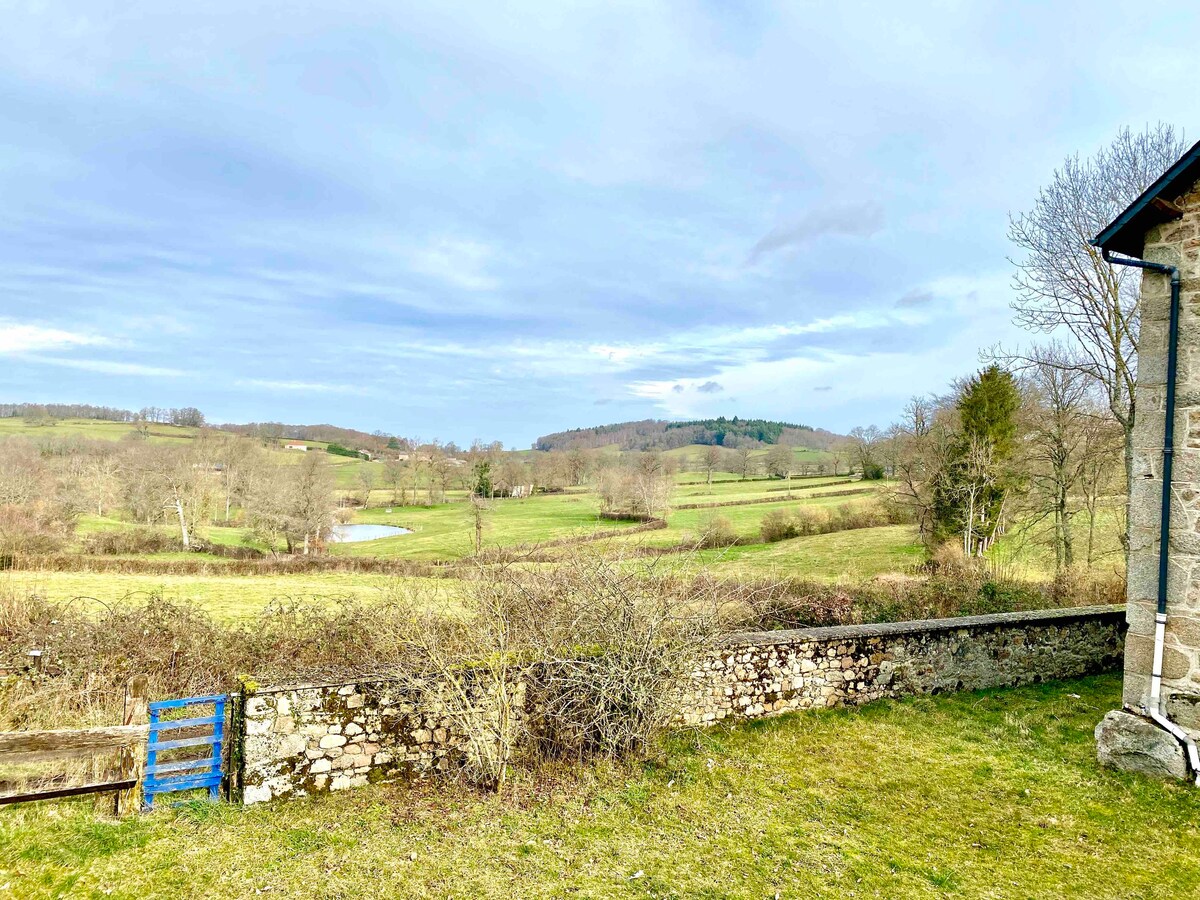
pixel 660 434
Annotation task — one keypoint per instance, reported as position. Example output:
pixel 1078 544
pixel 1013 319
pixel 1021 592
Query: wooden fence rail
pixel 127 739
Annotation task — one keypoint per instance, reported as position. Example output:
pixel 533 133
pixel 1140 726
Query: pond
pixel 352 534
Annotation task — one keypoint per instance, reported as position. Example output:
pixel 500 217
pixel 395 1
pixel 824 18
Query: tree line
pixel 214 479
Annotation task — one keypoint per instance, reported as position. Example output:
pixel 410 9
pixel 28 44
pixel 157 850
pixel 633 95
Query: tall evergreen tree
pixel 969 496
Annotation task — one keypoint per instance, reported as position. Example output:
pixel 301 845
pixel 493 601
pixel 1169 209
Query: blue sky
pixel 498 220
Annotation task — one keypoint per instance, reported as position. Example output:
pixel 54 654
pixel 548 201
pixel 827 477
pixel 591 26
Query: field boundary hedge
pixel 784 499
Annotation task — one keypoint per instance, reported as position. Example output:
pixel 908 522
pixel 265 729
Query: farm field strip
pixel 223 596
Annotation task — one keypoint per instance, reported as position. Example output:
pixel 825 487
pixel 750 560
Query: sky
pixel 495 220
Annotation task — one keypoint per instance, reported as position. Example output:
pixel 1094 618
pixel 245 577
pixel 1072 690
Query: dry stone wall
pixel 772 672
pixel 313 738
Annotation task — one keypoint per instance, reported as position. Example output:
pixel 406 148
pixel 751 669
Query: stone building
pixel 1160 233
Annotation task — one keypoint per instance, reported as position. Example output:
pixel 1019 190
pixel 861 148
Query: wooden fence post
pixel 133 757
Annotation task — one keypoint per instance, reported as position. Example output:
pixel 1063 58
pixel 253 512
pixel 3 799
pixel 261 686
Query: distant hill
pixel 659 434
pixel 47 414
pixel 326 434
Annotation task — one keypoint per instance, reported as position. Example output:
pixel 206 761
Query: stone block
pixel 1134 744
pixel 1139 657
pixel 330 741
pixel 1183 708
pixel 292 745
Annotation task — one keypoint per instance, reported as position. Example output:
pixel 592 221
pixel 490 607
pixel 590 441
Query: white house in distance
pixel 294 445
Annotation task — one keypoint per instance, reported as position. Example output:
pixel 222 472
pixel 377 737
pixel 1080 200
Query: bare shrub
pixel 471 669
pixel 782 524
pixel 131 540
pixel 581 657
pixel 949 559
pixel 34 527
pixel 714 532
pixel 779 525
pixel 813 519
pixel 617 639
pixel 89 654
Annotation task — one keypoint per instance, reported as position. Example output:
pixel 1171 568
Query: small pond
pixel 352 534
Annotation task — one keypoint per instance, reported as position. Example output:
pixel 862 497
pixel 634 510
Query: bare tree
pixel 977 475
pixel 780 460
pixel 710 460
pixel 838 452
pixel 102 481
pixel 183 478
pixel 366 480
pixel 925 450
pixel 1058 416
pixel 393 476
pixel 579 464
pixel 480 507
pixel 864 444
pixel 634 492
pixel 1063 282
pixel 744 456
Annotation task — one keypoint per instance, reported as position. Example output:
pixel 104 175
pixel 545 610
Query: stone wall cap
pixel 322 685
pixel 1114 611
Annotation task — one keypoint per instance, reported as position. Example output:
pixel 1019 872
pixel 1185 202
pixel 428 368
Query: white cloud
pixel 459 262
pixel 744 344
pixel 108 367
pixel 18 337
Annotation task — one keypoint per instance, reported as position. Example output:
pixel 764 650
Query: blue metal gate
pixel 193 772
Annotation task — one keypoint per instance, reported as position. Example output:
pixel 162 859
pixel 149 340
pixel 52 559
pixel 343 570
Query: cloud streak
pixel 860 220
pixel 24 337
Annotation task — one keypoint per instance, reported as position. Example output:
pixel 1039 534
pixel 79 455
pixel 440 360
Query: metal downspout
pixel 1154 706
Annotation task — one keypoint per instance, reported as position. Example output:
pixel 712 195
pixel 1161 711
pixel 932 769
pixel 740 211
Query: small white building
pixel 293 445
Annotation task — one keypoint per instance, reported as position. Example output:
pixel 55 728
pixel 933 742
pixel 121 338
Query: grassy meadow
pixel 988 794
pixel 225 597
pixel 446 532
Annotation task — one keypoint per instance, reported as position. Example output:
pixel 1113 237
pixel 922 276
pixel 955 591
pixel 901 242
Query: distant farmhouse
pixel 294 445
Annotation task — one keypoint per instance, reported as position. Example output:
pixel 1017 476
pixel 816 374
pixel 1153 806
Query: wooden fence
pixel 127 739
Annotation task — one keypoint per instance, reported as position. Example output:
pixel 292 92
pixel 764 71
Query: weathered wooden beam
pixel 35 746
pixel 73 791
pixel 1166 206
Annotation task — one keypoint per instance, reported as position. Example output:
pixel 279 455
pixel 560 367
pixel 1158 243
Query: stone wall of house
pixel 1174 243
pixel 313 738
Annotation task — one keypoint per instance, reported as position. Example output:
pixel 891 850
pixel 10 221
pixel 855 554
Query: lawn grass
pixel 993 794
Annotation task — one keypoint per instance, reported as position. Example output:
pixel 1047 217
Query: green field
pixel 224 597
pixel 446 531
pixel 841 556
pixel 992 794
pixel 93 429
pixel 690 458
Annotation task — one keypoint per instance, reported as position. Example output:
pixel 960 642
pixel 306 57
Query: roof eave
pixel 1127 232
